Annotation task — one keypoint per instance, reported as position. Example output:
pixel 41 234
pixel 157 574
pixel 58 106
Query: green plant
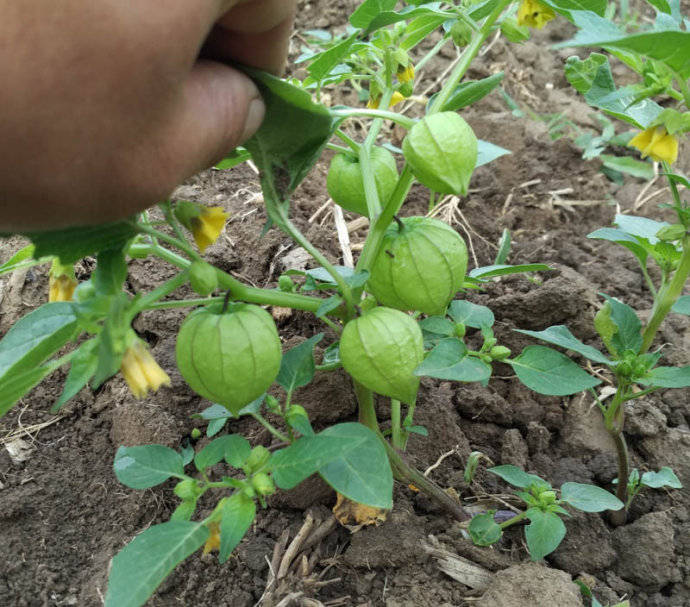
pixel 229 350
pixel 543 508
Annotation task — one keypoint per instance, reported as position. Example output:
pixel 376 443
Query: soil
pixel 63 515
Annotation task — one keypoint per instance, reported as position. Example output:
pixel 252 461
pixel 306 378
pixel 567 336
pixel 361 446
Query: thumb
pixel 220 108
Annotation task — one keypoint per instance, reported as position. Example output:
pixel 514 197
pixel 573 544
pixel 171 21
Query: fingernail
pixel 255 116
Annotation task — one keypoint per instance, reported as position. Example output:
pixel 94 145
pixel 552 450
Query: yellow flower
pixel 533 13
pixel 405 74
pixel 207 226
pixel 61 288
pixel 373 104
pixel 213 541
pixel 140 370
pixel 656 143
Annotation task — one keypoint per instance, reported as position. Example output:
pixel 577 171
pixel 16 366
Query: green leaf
pixel 324 62
pixel 671 46
pixel 437 325
pixel 589 498
pixel 73 244
pixel 216 425
pixel 639 249
pixel 290 139
pixel 504 245
pixel 626 164
pixel 113 339
pixel 449 361
pixel 36 337
pixel 362 472
pixel 349 457
pixel 488 152
pixel 234 158
pixel 385 18
pixel 147 465
pixel 641 227
pixel 111 272
pixel 484 530
pixel 518 477
pixel 593 79
pixel 83 367
pixel 470 314
pixel 140 567
pixel 368 10
pixel 560 335
pixel 664 478
pixel 682 305
pixel 503 270
pixel 544 533
pixel 15 385
pixel 328 305
pixel 629 334
pixel 21 258
pixel 667 377
pixel 469 92
pixel 233 448
pixel 297 367
pixel 547 371
pixel 238 514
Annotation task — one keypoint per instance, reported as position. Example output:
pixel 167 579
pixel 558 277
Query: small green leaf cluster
pixel 543 508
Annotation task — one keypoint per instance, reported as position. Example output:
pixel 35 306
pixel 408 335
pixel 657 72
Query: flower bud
pixel 263 484
pixel 203 278
pixel 499 352
pixel 187 489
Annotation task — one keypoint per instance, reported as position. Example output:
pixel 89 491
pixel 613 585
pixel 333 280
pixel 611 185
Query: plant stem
pixel 431 54
pixel 278 213
pixel 401 469
pixel 347 139
pixel 272 429
pixel 511 521
pixel 667 296
pixel 176 242
pixel 166 288
pixel 468 55
pixel 403 121
pixel 614 420
pixel 397 438
pixel 374 239
pixel 242 292
pixel 184 303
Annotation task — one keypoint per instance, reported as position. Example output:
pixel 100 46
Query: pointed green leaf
pixel 504 270
pixel 146 466
pixel 15 385
pixel 682 305
pixel 140 567
pixel 629 334
pixel 589 498
pixel 517 477
pixel 36 337
pixel 297 366
pixel 81 371
pixel 233 448
pixel 238 514
pixel 544 533
pixel 667 377
pixel 665 477
pixel 560 335
pixel 449 360
pixel 470 314
pixel 547 371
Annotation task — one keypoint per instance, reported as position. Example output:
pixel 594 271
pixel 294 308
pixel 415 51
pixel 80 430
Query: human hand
pixel 107 106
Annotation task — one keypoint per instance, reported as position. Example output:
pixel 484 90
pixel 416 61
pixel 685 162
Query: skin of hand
pixel 106 106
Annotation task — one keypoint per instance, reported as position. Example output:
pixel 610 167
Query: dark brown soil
pixel 63 515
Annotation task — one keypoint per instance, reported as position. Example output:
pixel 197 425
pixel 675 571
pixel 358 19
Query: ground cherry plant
pixel 393 318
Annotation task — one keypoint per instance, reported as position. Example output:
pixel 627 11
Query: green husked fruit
pixel 441 149
pixel 345 183
pixel 229 358
pixel 421 266
pixel 381 349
